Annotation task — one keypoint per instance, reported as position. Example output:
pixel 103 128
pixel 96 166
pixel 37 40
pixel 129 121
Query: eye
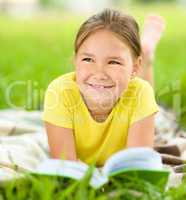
pixel 113 62
pixel 87 59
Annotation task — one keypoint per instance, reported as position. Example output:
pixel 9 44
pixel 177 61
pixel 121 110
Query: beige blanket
pixel 23 142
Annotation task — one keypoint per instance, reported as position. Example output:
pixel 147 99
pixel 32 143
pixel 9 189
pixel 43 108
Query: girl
pixel 101 107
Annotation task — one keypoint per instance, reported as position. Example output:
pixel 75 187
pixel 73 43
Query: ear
pixel 137 65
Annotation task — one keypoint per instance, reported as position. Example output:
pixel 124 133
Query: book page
pixel 72 169
pixel 138 157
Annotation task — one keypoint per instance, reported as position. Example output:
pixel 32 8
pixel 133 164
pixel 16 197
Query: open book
pixel 141 161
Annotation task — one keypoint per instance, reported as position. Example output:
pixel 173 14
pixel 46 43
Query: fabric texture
pixel 65 107
pixel 23 143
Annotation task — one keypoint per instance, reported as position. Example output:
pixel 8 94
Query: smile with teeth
pixel 100 86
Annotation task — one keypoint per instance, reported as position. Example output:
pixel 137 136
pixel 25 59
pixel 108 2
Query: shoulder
pixel 137 90
pixel 139 84
pixel 65 89
pixel 136 87
pixel 62 82
pixel 145 103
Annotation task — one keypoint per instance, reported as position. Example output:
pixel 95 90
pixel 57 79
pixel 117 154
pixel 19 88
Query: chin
pixel 102 102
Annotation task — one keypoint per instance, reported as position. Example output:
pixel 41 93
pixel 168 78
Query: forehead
pixel 104 41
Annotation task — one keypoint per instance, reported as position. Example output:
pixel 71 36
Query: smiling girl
pixel 101 107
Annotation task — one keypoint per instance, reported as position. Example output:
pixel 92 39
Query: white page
pixel 71 169
pixel 137 154
pixel 66 168
pixel 133 165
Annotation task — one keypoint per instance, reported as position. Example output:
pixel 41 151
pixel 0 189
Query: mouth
pixel 95 86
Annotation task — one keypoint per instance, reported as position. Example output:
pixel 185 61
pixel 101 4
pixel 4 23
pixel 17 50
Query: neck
pixel 100 112
pixel 96 109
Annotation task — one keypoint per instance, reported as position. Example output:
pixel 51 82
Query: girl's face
pixel 104 65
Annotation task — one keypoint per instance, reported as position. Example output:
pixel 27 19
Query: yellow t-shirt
pixel 96 141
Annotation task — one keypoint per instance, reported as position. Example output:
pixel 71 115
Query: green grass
pixel 59 188
pixel 170 62
pixel 34 52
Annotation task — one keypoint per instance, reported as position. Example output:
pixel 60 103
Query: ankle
pixel 147 60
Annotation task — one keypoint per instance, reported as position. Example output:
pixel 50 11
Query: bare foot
pixel 153 28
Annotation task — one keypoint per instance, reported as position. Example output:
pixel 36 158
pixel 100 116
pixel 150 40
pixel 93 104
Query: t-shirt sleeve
pixel 145 104
pixel 55 110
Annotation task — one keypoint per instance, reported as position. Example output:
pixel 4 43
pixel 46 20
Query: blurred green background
pixel 35 50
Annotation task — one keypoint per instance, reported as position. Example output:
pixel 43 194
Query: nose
pixel 99 72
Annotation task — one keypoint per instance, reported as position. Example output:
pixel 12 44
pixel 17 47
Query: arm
pixel 141 133
pixel 61 142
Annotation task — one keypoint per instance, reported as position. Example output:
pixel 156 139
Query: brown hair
pixel 123 25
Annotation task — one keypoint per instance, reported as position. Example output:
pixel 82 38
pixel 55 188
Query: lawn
pixel 35 51
pixel 121 188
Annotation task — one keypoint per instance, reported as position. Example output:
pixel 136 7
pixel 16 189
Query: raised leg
pixel 153 28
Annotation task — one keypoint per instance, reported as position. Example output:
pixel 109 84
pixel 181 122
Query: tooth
pixel 98 86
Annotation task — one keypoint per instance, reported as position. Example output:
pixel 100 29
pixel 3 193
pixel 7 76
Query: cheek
pixel 122 83
pixel 121 75
pixel 121 78
pixel 81 73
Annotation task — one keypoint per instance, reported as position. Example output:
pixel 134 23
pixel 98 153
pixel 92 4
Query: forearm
pixel 62 151
pixel 61 142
